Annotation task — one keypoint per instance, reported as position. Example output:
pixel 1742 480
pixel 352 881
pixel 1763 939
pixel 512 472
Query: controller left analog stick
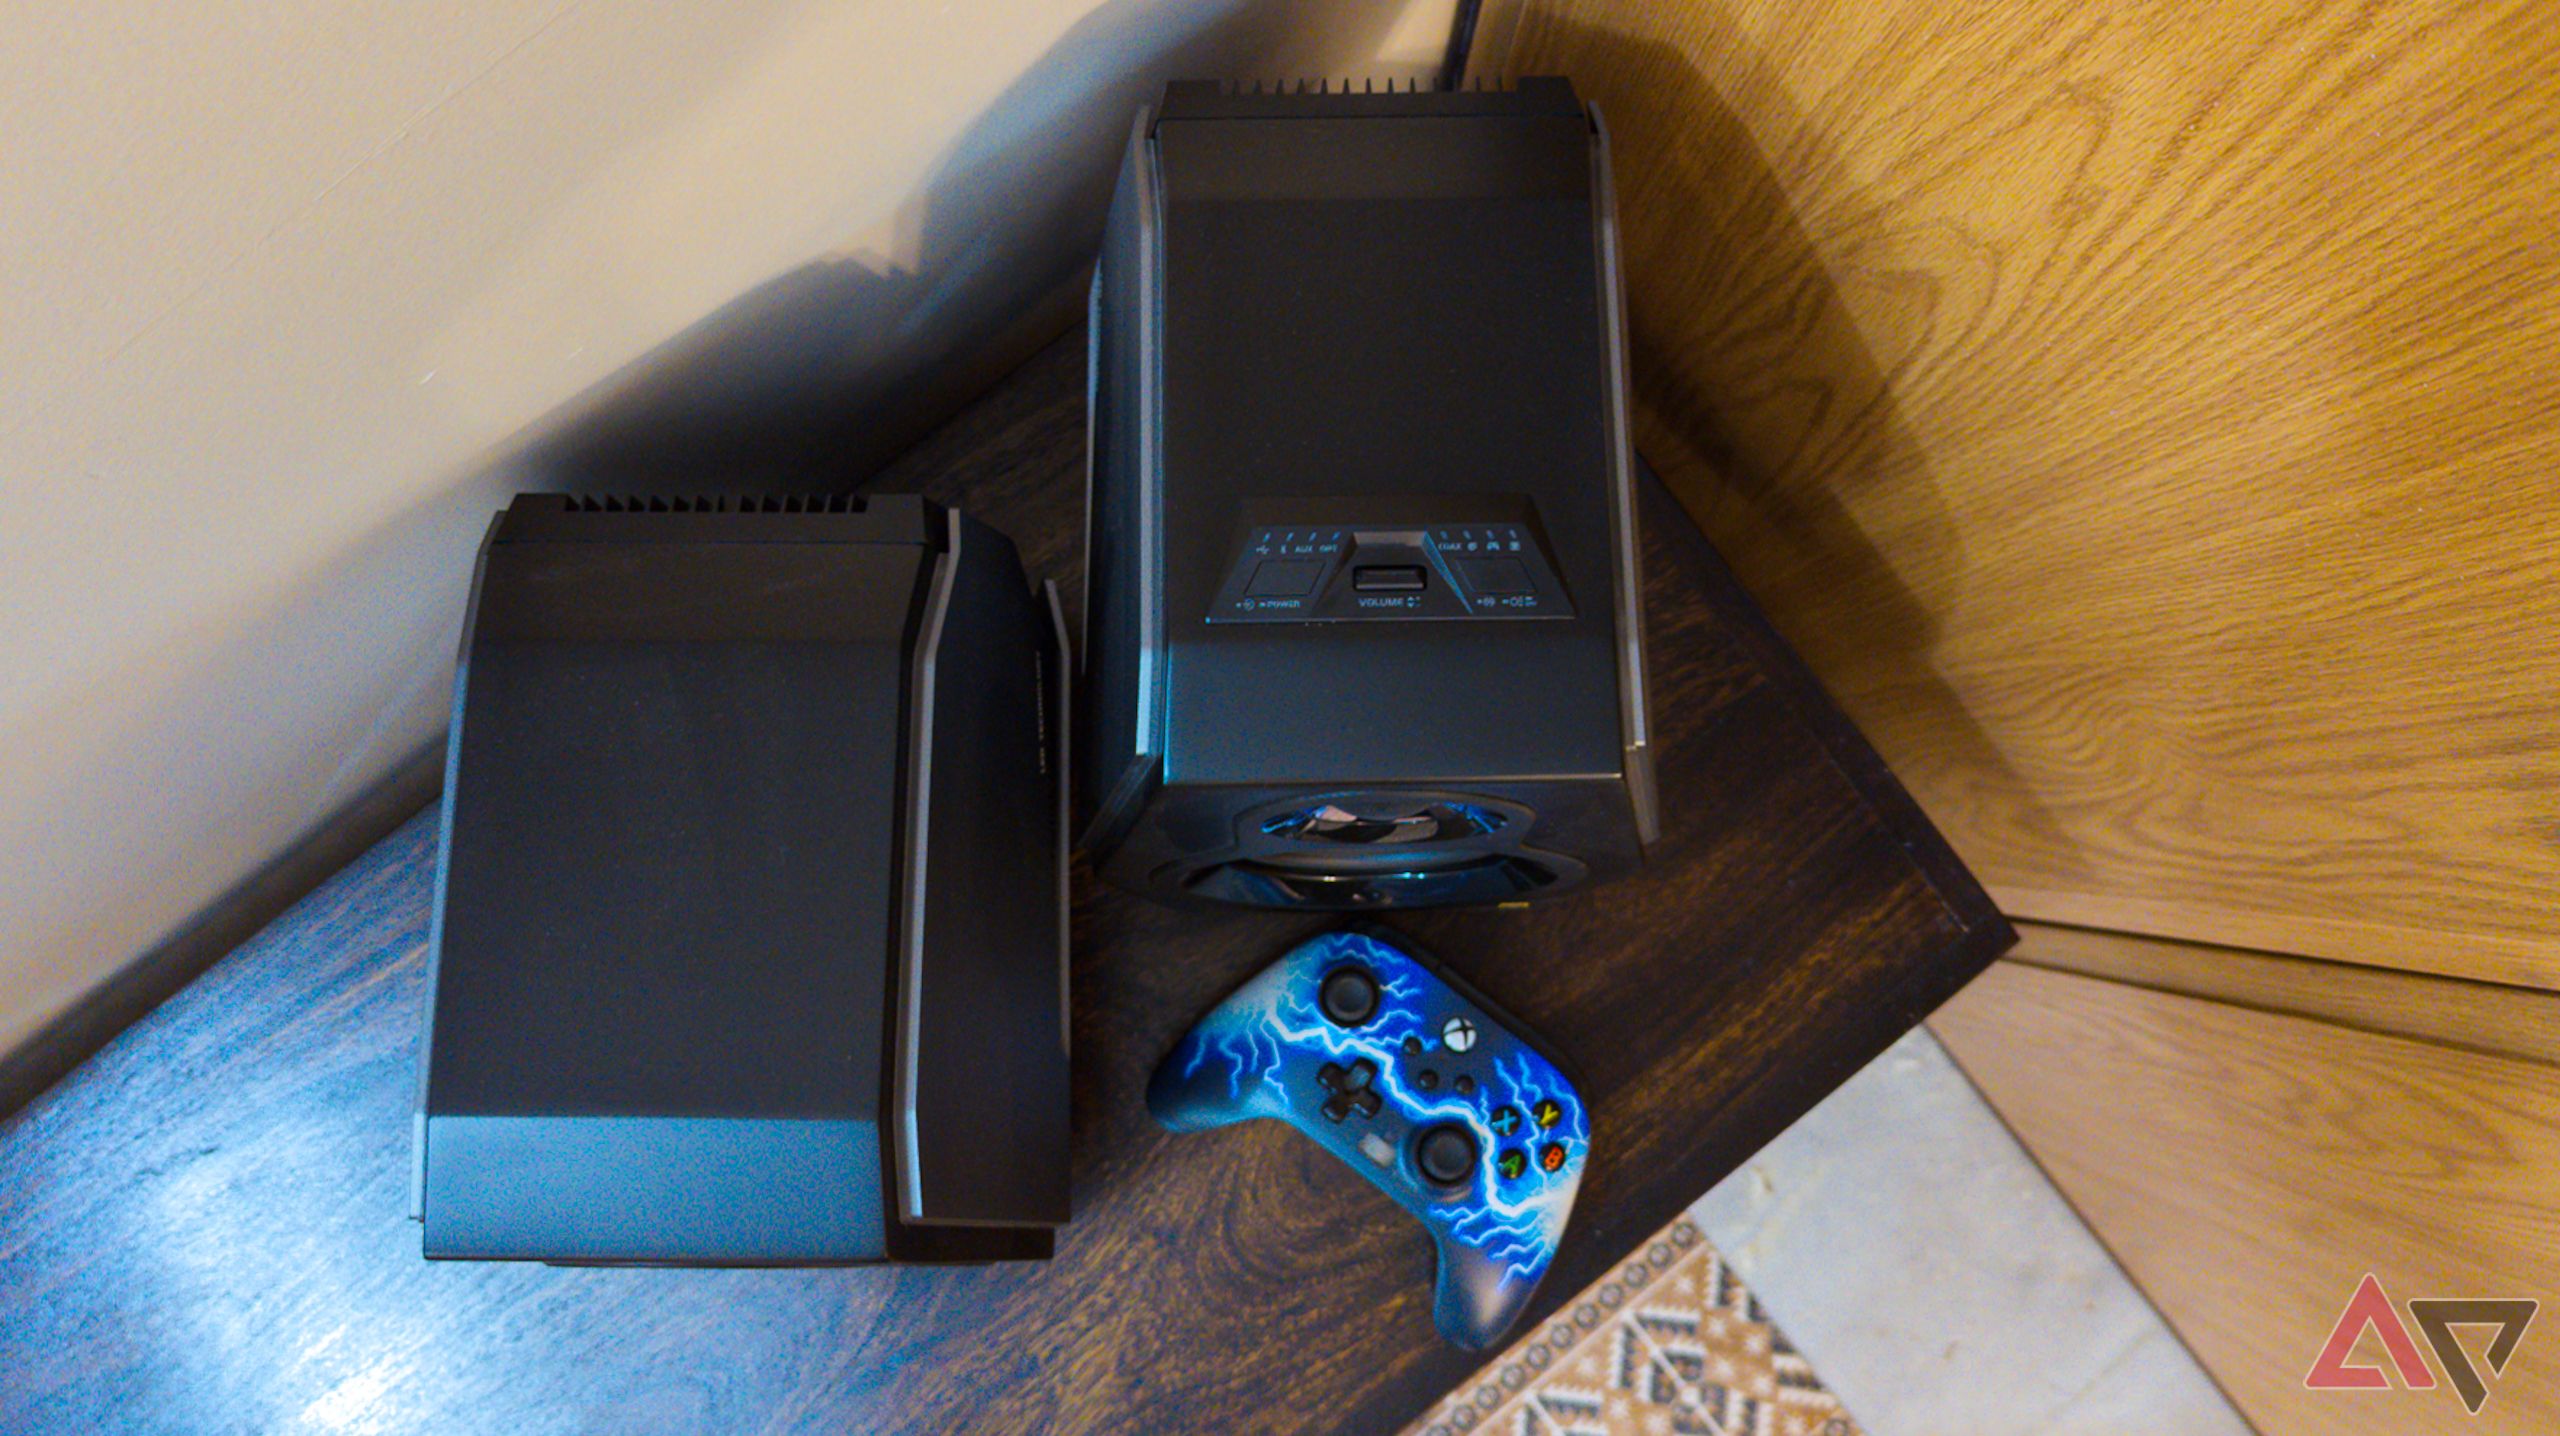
pixel 1349 996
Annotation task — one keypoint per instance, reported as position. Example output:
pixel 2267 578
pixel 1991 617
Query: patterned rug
pixel 1668 1344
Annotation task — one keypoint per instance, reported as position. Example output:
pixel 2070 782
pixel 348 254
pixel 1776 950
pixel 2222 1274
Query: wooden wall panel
pixel 2481 1016
pixel 2248 1168
pixel 2145 417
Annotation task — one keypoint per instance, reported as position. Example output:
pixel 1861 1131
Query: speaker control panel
pixel 1326 565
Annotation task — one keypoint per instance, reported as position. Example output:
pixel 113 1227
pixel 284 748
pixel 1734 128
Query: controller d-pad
pixel 1350 1088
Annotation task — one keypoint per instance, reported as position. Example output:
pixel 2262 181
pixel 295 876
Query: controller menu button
pixel 1504 1121
pixel 1551 1157
pixel 1413 1047
pixel 1464 1086
pixel 1511 1163
pixel 1548 1112
pixel 1427 1080
pixel 1446 1155
pixel 1349 996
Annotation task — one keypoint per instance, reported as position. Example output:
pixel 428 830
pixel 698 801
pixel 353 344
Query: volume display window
pixel 1363 568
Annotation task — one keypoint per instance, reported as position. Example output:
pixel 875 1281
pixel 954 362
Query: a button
pixel 1427 1080
pixel 1504 1121
pixel 1284 578
pixel 1387 578
pixel 1547 1112
pixel 1446 1155
pixel 1349 996
pixel 1413 1047
pixel 1458 1033
pixel 1492 576
pixel 1465 1086
pixel 1511 1163
pixel 1378 1149
pixel 1551 1156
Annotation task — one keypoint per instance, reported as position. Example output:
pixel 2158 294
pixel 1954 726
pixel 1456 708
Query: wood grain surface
pixel 2144 417
pixel 2482 1016
pixel 202 1229
pixel 2249 1168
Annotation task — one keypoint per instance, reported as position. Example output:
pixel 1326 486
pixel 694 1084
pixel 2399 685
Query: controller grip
pixel 1477 1298
pixel 1187 1094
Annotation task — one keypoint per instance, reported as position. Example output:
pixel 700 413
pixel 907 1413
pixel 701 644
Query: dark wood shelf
pixel 204 1227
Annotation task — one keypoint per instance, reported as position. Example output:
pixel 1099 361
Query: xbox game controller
pixel 1420 1085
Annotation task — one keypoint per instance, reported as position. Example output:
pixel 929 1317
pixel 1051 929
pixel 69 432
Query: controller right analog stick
pixel 1447 1155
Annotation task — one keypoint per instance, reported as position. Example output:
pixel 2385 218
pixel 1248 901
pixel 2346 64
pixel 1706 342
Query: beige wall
pixel 290 283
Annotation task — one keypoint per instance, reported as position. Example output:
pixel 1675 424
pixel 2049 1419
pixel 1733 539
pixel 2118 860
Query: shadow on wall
pixel 1758 396
pixel 780 389
pixel 810 380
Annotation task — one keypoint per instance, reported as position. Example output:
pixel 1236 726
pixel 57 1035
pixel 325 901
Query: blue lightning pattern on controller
pixel 1271 1032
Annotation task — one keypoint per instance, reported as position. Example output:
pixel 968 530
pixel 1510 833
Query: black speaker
pixel 1362 620
pixel 750 938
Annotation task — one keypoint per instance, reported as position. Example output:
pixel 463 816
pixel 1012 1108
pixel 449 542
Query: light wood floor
pixel 2249 1167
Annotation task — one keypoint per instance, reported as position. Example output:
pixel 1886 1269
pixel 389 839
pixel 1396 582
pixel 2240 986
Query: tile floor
pixel 1933 1282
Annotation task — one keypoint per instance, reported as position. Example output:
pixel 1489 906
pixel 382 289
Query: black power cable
pixel 1462 38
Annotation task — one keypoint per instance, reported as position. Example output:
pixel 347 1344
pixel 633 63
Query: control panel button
pixel 1387 578
pixel 1378 1149
pixel 1427 1080
pixel 1464 1086
pixel 1349 996
pixel 1284 578
pixel 1493 576
pixel 1446 1155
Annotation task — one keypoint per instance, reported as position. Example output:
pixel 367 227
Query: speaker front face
pixel 1371 849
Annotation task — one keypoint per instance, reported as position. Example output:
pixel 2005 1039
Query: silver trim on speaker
pixel 904 1136
pixel 1150 442
pixel 1063 772
pixel 1634 695
pixel 1092 438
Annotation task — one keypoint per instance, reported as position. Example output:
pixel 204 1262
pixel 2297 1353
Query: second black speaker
pixel 1362 619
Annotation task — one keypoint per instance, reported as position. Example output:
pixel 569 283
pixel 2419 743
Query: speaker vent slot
pixel 716 504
